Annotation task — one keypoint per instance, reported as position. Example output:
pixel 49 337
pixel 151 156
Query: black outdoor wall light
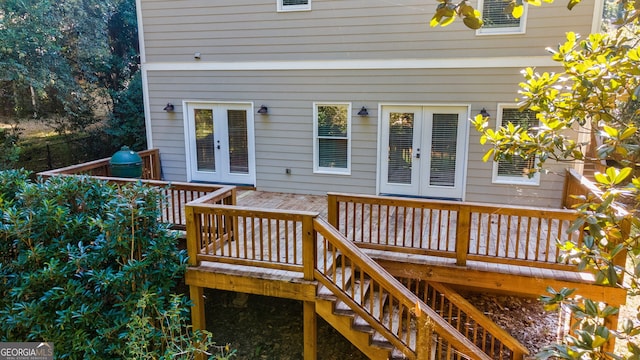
pixel 484 113
pixel 363 112
pixel 169 107
pixel 263 110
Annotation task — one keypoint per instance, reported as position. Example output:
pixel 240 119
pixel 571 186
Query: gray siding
pixel 284 136
pixel 252 30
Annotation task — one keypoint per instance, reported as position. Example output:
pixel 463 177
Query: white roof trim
pixel 445 63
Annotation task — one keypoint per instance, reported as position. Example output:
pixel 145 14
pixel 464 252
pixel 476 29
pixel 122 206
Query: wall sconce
pixel 169 107
pixel 363 112
pixel 484 113
pixel 263 110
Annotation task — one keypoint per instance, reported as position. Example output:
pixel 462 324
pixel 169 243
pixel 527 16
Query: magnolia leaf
pixel 472 22
pixel 613 132
pixel 447 20
pixel 517 11
pixel 601 178
pixel 622 175
pixel 631 130
pixel 487 156
pixel 598 342
pixel 435 20
pixel 572 3
pixel 465 10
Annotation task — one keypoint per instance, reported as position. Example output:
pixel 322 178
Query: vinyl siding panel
pixel 252 30
pixel 283 138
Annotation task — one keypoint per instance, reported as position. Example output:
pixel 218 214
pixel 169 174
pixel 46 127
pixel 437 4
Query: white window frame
pixel 504 30
pixel 284 8
pixel 511 180
pixel 316 143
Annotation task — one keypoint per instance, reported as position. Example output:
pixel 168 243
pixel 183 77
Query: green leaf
pixel 488 155
pixel 517 11
pixel 572 4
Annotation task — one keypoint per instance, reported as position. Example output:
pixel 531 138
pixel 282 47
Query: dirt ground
pixel 263 328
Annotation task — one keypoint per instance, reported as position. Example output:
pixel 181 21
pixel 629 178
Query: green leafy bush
pixel 77 256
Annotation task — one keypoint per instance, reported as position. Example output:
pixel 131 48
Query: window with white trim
pixel 294 5
pixel 332 138
pixel 498 20
pixel 516 170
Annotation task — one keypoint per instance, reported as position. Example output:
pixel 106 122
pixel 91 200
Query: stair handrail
pixel 408 299
pixel 518 350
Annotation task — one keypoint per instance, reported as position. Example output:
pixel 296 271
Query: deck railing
pixel 150 167
pixel 464 231
pixel 274 239
pixel 301 242
pixel 174 195
pixel 392 310
pixel 467 319
pixel 577 185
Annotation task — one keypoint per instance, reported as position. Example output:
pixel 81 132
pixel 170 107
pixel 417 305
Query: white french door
pixel 423 150
pixel 220 142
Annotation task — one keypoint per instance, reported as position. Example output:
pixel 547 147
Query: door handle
pixel 218 146
pixel 417 153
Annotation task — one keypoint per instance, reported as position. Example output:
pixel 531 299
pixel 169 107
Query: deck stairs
pixel 489 339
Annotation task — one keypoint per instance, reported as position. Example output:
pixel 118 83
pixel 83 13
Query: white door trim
pixel 188 105
pixel 462 149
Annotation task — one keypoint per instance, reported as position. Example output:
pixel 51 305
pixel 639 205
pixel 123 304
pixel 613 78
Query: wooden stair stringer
pixel 343 323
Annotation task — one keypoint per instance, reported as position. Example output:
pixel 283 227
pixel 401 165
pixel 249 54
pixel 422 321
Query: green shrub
pixel 77 256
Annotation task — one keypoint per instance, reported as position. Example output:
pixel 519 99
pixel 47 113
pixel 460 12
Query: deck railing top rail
pixel 150 167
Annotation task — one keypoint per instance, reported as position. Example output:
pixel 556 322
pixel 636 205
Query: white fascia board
pixel 448 63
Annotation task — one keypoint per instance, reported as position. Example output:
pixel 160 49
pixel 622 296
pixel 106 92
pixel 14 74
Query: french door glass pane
pixel 238 142
pixel 204 140
pixel 400 148
pixel 443 150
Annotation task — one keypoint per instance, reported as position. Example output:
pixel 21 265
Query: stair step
pixel 337 278
pixel 394 318
pixel 359 291
pixel 377 311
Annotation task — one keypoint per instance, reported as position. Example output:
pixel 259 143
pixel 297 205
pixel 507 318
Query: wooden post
pixel 194 232
pixel 463 230
pixel 197 312
pixel 309 248
pixel 332 215
pixel 310 330
pixel 155 156
pixel 611 322
pixel 424 336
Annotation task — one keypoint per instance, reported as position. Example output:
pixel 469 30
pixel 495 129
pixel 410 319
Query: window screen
pixel 332 129
pixel 293 5
pixel 497 19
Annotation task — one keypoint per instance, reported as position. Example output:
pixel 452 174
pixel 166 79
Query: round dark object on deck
pixel 126 163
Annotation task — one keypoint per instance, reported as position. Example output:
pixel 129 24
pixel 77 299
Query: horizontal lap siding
pixel 284 136
pixel 252 30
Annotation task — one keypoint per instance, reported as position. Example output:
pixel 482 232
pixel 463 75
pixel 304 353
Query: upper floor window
pixel 516 170
pixel 498 20
pixel 294 5
pixel 332 137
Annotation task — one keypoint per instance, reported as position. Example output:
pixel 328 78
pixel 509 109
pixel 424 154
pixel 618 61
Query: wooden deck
pixel 380 270
pixel 481 275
